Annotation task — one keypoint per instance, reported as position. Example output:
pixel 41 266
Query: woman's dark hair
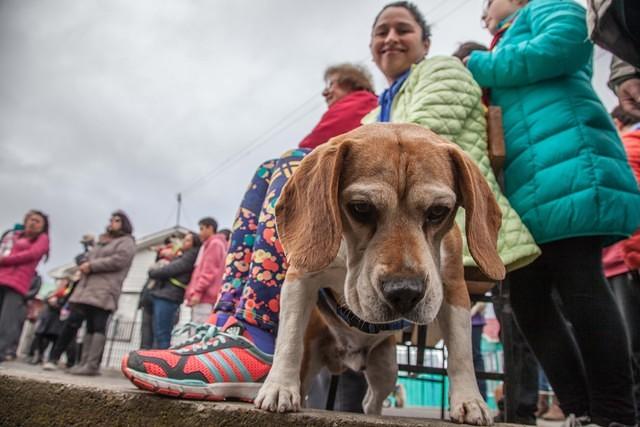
pixel 414 11
pixel 196 239
pixel 226 233
pixel 45 226
pixel 624 118
pixel 465 49
pixel 209 222
pixel 127 228
pixel 351 77
pixel 26 217
pixel 44 216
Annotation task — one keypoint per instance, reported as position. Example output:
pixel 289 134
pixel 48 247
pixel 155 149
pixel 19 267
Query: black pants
pixel 626 290
pixel 13 313
pixel 352 387
pixel 96 319
pixel 40 343
pixel 522 388
pixel 588 364
pixel 146 327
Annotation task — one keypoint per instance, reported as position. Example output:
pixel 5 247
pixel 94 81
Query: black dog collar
pixel 328 301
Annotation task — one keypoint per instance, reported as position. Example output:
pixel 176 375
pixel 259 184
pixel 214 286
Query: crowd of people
pixel 188 270
pixel 567 191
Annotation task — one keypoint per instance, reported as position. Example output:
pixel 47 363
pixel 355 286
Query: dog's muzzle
pixel 403 294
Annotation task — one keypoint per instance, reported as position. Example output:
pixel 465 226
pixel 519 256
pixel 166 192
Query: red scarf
pixel 498 35
pixel 496 38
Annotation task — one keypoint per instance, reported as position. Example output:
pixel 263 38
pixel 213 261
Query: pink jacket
pixel 17 268
pixel 206 278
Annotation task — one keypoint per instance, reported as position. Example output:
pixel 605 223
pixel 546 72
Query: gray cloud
pixel 119 104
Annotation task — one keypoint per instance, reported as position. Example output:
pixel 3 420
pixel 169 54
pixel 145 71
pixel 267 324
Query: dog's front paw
pixel 276 397
pixel 471 411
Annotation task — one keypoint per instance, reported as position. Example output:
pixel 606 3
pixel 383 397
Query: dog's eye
pixel 436 214
pixel 362 211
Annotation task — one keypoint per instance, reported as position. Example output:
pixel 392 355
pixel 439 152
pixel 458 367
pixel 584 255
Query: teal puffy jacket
pixel 566 172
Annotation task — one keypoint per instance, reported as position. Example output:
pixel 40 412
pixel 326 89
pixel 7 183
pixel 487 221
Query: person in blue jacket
pixel 567 176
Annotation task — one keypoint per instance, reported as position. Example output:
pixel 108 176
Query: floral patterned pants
pixel 255 264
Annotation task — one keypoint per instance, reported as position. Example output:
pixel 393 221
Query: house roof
pixel 142 244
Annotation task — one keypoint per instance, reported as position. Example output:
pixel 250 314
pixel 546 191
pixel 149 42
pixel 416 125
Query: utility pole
pixel 179 198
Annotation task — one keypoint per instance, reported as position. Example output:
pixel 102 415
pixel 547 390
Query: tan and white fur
pixel 371 215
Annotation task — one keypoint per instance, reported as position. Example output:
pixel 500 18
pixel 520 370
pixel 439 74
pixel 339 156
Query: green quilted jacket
pixel 440 94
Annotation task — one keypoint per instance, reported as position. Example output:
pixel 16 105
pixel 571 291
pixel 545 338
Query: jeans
pixel 587 363
pixel 543 382
pixel 164 313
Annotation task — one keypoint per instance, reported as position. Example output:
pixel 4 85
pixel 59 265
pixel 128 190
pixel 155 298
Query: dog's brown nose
pixel 403 294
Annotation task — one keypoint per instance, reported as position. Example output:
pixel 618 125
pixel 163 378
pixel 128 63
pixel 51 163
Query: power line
pixel 288 121
pixel 433 9
pixel 451 12
pixel 281 125
pixel 229 162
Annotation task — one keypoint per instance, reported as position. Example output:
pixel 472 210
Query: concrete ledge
pixel 31 397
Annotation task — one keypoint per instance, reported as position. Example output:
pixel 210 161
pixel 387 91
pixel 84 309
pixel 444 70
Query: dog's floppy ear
pixel 483 216
pixel 308 214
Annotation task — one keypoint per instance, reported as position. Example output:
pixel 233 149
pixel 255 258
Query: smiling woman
pixel 441 95
pixel 400 38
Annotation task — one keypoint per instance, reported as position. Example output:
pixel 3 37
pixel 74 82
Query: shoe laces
pixel 209 336
pixel 202 334
pixel 199 330
pixel 215 336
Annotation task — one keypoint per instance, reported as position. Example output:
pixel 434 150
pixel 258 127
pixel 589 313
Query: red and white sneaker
pixel 222 364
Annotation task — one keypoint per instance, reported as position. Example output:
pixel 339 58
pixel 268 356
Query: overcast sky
pixel 120 104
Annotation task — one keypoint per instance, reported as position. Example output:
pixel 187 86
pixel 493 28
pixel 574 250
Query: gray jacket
pixel 621 71
pixel 110 264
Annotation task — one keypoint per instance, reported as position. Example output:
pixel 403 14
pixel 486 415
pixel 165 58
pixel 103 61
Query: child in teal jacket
pixel 567 176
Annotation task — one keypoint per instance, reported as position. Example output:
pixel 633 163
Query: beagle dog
pixel 369 217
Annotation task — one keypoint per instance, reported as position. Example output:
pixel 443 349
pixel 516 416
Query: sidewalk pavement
pixel 33 397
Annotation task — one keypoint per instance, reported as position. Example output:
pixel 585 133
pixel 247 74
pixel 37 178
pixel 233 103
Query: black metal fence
pixel 123 336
